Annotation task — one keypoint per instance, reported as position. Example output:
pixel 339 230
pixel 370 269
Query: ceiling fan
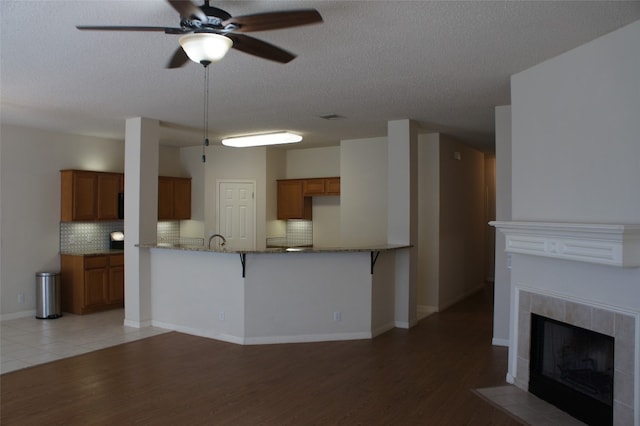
pixel 209 19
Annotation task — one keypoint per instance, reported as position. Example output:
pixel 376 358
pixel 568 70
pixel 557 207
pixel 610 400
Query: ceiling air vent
pixel 332 117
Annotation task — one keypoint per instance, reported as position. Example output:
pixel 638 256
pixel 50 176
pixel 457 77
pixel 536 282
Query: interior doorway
pixel 237 213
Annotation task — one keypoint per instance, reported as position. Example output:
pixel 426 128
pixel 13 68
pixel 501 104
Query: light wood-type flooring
pixel 421 376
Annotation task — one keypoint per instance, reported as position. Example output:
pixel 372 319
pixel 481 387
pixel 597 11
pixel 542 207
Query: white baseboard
pixel 306 338
pixel 198 332
pixel 402 324
pixel 500 342
pixel 137 324
pixel 17 315
pixel 382 329
pixel 426 310
pixel 263 340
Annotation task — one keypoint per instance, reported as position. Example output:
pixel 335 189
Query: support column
pixel 140 216
pixel 402 215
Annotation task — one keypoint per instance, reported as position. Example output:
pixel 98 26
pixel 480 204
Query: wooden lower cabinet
pixel 91 283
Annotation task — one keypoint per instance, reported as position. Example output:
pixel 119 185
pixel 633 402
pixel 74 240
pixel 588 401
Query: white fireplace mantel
pixel 604 244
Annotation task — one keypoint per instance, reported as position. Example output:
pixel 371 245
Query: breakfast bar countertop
pixel 92 252
pixel 305 249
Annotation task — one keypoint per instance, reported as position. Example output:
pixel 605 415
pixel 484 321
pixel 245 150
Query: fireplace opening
pixel 572 368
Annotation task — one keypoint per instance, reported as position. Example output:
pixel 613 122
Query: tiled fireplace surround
pixel 538 249
pixel 621 326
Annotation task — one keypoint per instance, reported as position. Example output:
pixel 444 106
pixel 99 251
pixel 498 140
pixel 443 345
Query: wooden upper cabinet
pixel 182 198
pixel 321 186
pixel 313 187
pixel 174 198
pixel 89 196
pixel 79 200
pixel 292 204
pixel 294 195
pixel 165 198
pixel 332 186
pixel 108 187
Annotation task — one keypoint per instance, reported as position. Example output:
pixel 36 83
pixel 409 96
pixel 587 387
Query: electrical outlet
pixel 337 316
pixel 221 316
pixel 21 298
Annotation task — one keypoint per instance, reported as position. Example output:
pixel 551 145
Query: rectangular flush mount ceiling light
pixel 261 139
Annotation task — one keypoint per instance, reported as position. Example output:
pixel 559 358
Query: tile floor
pixel 527 407
pixel 29 341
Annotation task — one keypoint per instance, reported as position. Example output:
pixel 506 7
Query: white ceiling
pixel 445 64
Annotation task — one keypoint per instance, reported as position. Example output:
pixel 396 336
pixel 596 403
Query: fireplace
pixel 572 368
pixel 584 275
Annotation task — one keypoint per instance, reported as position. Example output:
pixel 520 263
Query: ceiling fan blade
pixel 178 59
pixel 125 28
pixel 260 48
pixel 274 20
pixel 186 9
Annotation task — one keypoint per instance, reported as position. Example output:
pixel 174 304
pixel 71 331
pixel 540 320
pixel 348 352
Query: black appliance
pixel 116 240
pixel 120 205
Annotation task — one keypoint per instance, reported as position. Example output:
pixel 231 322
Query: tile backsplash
pixel 84 237
pixel 88 237
pixel 169 232
pixel 299 233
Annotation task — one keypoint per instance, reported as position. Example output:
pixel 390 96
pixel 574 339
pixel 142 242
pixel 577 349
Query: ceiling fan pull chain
pixel 205 138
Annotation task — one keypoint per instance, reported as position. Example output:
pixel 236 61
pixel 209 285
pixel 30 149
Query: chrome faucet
pixel 222 244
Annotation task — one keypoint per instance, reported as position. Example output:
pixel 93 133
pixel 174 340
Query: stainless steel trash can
pixel 48 305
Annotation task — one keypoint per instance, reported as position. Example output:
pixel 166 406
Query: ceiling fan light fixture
pixel 205 47
pixel 261 139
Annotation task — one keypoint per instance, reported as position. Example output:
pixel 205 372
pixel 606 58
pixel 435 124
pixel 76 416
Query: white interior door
pixel 236 214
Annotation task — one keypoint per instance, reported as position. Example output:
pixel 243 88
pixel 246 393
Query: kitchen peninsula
pixel 274 295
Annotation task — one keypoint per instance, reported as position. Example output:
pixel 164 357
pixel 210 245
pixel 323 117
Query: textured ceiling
pixel 445 64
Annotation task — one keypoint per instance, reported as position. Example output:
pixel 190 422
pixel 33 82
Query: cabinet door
pixel 182 198
pixel 84 199
pixel 108 188
pixel 165 198
pixel 292 204
pixel 115 293
pixel 95 282
pixel 332 186
pixel 115 289
pixel 313 187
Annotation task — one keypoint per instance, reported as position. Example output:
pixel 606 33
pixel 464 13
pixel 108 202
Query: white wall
pixel 170 162
pixel 429 225
pixel 248 164
pixel 363 192
pixel 462 224
pixel 502 280
pixel 319 162
pixel 576 128
pixel 30 180
pixel 191 165
pixel 276 169
pixel 313 162
pixel 576 158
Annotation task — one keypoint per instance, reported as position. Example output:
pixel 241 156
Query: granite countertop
pixel 313 249
pixel 92 252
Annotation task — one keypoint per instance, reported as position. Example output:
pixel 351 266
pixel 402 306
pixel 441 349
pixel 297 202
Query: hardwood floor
pixel 421 376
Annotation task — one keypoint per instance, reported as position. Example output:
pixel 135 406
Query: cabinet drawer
pixel 93 262
pixel 116 260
